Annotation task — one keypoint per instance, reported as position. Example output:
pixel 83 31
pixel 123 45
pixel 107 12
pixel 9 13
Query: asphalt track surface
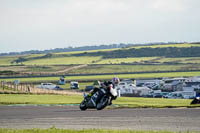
pixel 70 117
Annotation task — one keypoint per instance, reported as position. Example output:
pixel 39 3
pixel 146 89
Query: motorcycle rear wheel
pixel 102 103
pixel 83 105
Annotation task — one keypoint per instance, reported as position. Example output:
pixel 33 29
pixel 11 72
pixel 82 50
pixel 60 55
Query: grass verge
pixel 54 130
pixel 7 99
pixel 121 102
pixel 139 102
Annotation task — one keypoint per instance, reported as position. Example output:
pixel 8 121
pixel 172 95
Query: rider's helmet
pixel 115 81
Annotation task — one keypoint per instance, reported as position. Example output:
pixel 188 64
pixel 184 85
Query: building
pixel 172 85
pixel 126 87
pixel 141 91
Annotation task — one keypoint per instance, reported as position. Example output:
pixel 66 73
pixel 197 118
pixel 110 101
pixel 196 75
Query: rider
pixel 114 82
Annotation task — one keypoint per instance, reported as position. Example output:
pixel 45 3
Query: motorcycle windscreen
pixel 94 98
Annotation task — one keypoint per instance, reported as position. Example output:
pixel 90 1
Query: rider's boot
pixel 110 101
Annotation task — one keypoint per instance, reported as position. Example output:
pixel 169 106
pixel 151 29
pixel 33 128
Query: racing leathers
pixel 106 86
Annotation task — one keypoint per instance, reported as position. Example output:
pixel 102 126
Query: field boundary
pixel 11 88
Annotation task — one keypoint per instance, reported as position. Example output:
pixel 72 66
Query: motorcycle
pixel 100 99
pixel 196 100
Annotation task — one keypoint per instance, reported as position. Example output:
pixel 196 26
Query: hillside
pixel 137 59
pixel 87 48
pixel 169 52
pixel 96 56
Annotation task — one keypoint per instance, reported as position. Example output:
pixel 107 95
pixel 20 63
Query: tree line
pixel 86 48
pixel 170 52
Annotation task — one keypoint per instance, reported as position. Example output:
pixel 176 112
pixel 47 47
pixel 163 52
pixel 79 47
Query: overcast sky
pixel 45 24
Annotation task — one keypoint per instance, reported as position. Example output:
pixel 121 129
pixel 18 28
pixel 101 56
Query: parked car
pixel 157 95
pixel 140 84
pixel 164 93
pixel 151 85
pixel 47 86
pixel 149 95
pixel 174 95
pixel 50 86
pixel 58 88
pixel 74 85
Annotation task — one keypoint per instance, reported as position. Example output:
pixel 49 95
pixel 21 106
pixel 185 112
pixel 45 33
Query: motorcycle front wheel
pixel 83 105
pixel 195 101
pixel 102 103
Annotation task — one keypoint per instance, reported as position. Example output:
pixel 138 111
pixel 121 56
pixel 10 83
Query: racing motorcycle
pixel 100 99
pixel 196 100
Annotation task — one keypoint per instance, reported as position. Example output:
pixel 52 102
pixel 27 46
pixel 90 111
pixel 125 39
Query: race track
pixel 71 117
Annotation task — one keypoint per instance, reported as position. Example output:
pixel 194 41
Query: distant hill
pixel 83 48
pixel 162 51
pixel 169 52
pixel 69 49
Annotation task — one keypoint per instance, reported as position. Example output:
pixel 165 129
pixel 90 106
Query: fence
pixel 32 89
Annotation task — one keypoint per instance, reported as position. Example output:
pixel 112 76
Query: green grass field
pixel 36 68
pixel 130 102
pixel 192 60
pixel 63 61
pixel 133 68
pixel 39 99
pixel 152 102
pixel 42 68
pixel 102 68
pixel 54 130
pixel 7 60
pixel 125 60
